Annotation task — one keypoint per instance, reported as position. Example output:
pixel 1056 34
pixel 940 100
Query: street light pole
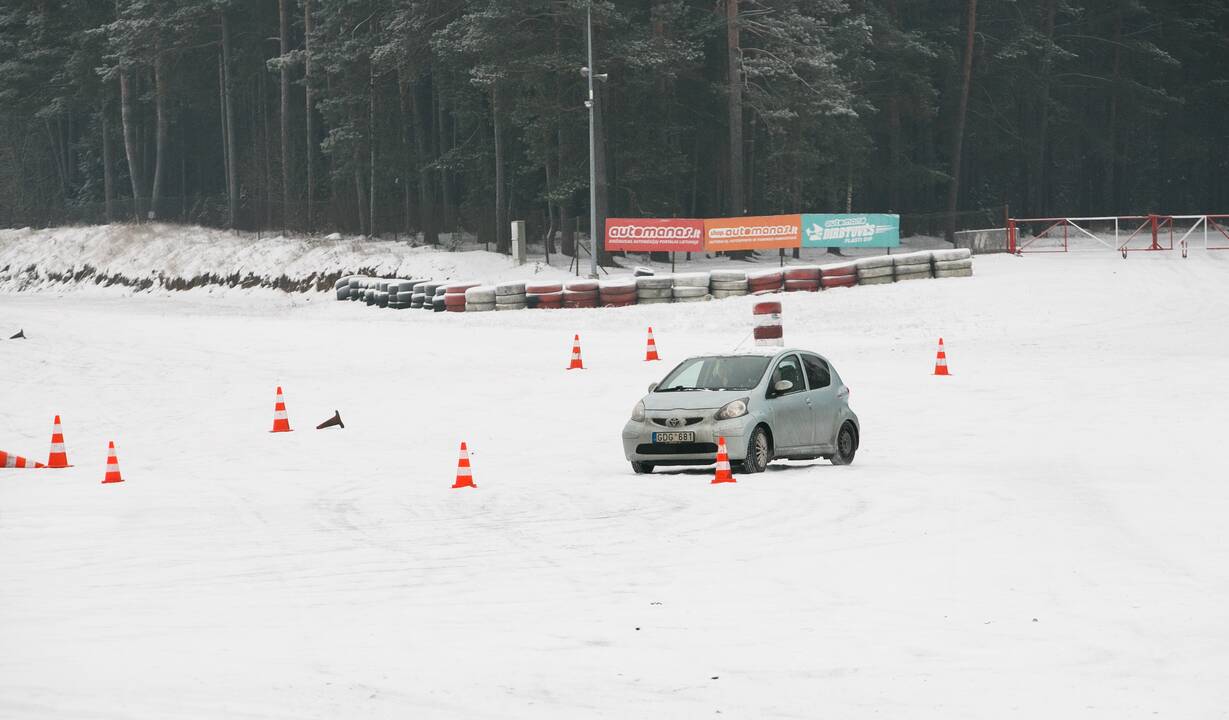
pixel 593 229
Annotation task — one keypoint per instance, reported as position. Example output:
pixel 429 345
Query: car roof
pixel 764 351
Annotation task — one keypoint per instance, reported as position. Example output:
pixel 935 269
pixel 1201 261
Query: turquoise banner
pixel 866 230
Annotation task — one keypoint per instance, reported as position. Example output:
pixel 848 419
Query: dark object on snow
pixel 642 271
pixel 21 335
pixel 335 420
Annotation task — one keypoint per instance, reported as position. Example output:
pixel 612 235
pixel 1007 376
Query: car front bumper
pixel 638 445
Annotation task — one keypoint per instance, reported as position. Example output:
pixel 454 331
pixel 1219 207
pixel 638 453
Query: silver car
pixel 767 403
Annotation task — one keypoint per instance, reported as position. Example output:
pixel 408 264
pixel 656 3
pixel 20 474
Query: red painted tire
pixel 801 274
pixel 543 288
pixel 831 281
pixel 766 308
pixel 801 285
pixel 768 332
pixel 580 285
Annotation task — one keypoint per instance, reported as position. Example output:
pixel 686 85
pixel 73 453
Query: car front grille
pixel 691 448
pixel 686 421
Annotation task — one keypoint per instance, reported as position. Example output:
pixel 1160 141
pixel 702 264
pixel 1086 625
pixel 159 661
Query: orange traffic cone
pixel 723 464
pixel 58 457
pixel 464 477
pixel 941 361
pixel 280 422
pixel 651 352
pixel 8 460
pixel 576 363
pixel 112 475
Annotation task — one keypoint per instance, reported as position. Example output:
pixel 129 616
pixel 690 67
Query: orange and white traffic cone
pixel 465 477
pixel 112 475
pixel 280 422
pixel 723 464
pixel 58 458
pixel 576 363
pixel 651 353
pixel 941 361
pixel 9 460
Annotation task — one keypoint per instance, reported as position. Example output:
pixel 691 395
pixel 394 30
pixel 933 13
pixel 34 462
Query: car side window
pixel 787 369
pixel 818 373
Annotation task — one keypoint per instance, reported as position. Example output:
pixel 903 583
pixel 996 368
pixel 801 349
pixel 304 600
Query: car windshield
pixel 716 373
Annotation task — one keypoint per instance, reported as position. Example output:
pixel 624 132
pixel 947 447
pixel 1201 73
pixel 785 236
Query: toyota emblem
pixel 675 422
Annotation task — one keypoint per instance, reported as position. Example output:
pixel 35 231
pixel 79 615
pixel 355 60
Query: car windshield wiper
pixel 678 389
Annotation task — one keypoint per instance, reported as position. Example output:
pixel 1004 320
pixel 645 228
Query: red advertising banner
pixel 767 232
pixel 649 235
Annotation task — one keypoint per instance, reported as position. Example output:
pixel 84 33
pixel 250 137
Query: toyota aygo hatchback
pixel 768 403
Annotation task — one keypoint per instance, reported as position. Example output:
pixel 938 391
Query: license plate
pixel 674 437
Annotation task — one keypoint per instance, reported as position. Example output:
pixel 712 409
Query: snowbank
pixel 175 257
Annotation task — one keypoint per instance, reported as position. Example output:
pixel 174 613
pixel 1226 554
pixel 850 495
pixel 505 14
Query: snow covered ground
pixel 1040 535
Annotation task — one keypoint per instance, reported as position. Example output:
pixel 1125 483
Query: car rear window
pixel 716 373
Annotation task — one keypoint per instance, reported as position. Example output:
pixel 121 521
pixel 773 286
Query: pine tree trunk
pixel 953 193
pixel 308 28
pixel 1039 206
pixel 503 243
pixel 284 105
pixel 128 120
pixel 232 175
pixel 735 107
pixel 1111 130
pixel 371 150
pixel 422 147
pixel 448 215
pixel 108 180
pixel 155 195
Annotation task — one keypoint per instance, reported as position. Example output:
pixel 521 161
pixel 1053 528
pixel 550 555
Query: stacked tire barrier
pixel 546 296
pixel 728 283
pixel 654 289
pixel 765 281
pixel 690 287
pixel 802 278
pixel 644 288
pixel 617 293
pixel 953 263
pixel 912 266
pixel 580 294
pixel 877 270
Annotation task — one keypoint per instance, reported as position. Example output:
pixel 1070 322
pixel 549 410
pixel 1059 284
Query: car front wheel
pixel 759 452
pixel 640 468
pixel 846 445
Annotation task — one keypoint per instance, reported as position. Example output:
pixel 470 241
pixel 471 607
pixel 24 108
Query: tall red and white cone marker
pixel 9 460
pixel 941 360
pixel 723 464
pixel 576 363
pixel 651 353
pixel 112 475
pixel 58 458
pixel 280 422
pixel 465 477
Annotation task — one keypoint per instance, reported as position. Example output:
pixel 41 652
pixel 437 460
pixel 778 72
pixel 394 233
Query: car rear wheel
pixel 846 445
pixel 759 452
pixel 640 468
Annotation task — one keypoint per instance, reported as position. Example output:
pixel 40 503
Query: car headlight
pixel 638 412
pixel 732 409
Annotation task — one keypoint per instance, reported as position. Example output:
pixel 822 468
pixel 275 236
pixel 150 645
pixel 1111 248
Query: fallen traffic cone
pixel 651 352
pixel 333 421
pixel 8 460
pixel 464 477
pixel 21 335
pixel 280 423
pixel 576 363
pixel 112 475
pixel 723 464
pixel 941 361
pixel 58 458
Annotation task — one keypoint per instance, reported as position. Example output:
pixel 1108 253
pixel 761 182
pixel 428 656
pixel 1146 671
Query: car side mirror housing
pixel 782 386
pixel 652 387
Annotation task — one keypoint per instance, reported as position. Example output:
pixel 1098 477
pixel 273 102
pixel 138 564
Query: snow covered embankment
pixel 174 257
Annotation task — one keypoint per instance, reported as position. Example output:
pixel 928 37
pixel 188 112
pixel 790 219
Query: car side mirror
pixel 652 387
pixel 782 386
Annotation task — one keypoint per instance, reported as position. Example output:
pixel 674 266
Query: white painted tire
pixel 654 293
pixel 479 307
pixel 728 276
pixel 911 259
pixel 875 261
pixel 481 295
pixel 958 272
pixel 951 254
pixel 697 280
pixel 719 294
pixel 510 288
pixel 954 264
pixel 654 282
pixel 881 280
pixel 874 272
pixel 689 292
